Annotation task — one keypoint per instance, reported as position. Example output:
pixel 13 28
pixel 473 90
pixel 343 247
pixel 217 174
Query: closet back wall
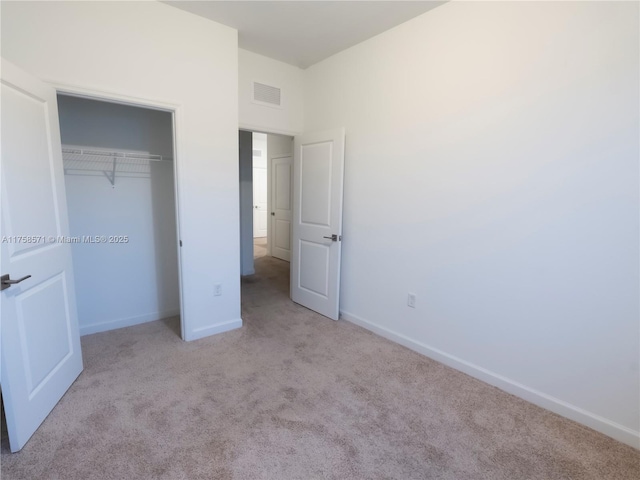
pixel 122 284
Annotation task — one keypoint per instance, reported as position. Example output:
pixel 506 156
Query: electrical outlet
pixel 411 300
pixel 217 289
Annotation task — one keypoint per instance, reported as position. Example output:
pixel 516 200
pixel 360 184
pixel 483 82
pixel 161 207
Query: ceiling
pixel 302 33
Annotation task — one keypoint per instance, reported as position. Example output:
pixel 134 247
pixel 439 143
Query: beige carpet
pixel 259 247
pixel 293 395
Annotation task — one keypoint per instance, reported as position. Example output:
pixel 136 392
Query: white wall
pixel 151 51
pixel 260 145
pixel 113 125
pixel 279 145
pixel 492 169
pixel 286 120
pixel 122 284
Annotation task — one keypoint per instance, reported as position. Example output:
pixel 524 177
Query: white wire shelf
pixel 111 164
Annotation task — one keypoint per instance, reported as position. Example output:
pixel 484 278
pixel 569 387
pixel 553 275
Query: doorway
pixel 265 197
pixel 120 182
pixel 313 172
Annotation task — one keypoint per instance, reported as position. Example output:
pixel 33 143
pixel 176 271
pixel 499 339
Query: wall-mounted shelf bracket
pixel 80 161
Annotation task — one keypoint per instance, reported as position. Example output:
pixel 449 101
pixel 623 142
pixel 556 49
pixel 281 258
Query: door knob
pixel 6 282
pixel 333 238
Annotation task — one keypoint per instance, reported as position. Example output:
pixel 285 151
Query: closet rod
pixel 105 153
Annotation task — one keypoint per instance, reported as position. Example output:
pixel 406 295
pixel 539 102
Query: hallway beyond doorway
pixel 259 247
pixel 268 286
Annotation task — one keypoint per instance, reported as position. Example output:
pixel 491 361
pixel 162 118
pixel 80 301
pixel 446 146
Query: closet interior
pixel 121 199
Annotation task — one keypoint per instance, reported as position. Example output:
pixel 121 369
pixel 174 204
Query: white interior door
pixel 281 207
pixel 259 202
pixel 317 221
pixel 41 354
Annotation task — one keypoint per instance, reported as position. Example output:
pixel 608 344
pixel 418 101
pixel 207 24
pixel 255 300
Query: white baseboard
pixel 213 329
pixel 126 322
pixel 577 414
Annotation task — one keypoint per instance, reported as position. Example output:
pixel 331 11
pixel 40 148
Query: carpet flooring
pixel 259 247
pixel 293 395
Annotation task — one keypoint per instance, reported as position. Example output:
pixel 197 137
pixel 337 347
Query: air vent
pixel 266 95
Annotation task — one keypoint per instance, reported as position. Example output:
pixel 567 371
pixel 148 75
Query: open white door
pixel 281 211
pixel 259 202
pixel 317 221
pixel 40 341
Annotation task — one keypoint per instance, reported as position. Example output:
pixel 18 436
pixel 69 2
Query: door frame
pixel 176 111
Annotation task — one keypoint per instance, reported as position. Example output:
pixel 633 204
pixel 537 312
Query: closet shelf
pixel 111 164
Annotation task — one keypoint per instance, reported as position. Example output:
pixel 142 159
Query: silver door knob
pixel 333 238
pixel 6 282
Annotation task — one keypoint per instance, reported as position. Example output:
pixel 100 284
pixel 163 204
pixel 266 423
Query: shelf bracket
pixel 111 175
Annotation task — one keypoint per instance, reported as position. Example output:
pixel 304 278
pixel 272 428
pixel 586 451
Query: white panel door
pixel 317 221
pixel 41 354
pixel 281 210
pixel 259 202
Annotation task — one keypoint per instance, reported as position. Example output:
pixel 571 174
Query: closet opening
pixel 120 180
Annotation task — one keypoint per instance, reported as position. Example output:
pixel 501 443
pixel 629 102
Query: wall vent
pixel 266 95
